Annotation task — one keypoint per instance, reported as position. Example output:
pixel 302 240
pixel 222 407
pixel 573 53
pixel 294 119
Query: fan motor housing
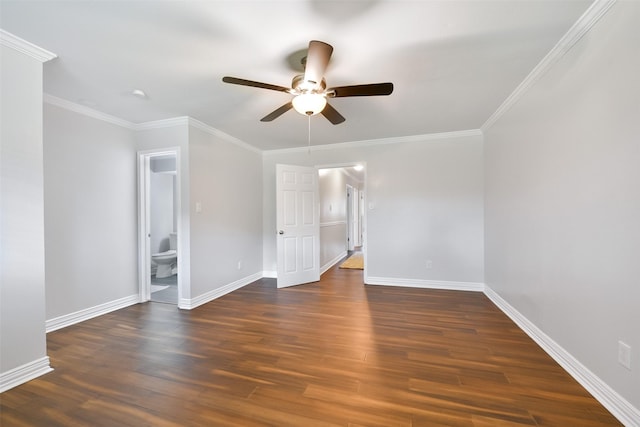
pixel 298 83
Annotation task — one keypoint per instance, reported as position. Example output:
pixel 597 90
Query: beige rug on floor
pixel 355 261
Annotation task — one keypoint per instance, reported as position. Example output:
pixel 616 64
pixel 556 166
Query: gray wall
pixel 90 211
pixel 563 203
pixel 226 182
pixel 22 268
pixel 427 200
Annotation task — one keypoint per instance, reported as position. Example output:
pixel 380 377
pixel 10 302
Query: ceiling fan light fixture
pixel 309 90
pixel 309 104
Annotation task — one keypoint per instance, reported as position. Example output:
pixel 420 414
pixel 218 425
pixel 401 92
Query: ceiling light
pixel 309 104
pixel 139 93
pixel 358 167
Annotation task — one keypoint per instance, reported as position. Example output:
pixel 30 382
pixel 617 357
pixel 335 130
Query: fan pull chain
pixel 309 135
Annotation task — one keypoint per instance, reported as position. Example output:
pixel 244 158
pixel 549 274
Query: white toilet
pixel 166 260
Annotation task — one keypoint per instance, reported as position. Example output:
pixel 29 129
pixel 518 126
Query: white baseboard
pixel 270 274
pixel 333 262
pixel 323 269
pixel 89 313
pixel 426 284
pixel 24 373
pixel 624 411
pixel 189 304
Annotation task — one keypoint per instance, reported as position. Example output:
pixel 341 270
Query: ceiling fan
pixel 310 91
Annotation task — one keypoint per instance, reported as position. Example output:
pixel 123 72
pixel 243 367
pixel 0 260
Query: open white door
pixel 298 222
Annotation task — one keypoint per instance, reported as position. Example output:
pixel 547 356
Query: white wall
pixel 90 212
pixel 427 199
pixel 563 201
pixel 22 267
pixel 226 184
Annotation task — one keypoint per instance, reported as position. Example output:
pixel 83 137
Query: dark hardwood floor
pixel 331 353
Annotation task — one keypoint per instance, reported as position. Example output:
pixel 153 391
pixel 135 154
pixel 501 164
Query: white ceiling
pixel 452 62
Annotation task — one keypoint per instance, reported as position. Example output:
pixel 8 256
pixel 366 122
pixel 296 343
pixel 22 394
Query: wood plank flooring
pixel 334 353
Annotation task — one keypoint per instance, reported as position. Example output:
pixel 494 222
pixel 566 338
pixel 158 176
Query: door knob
pixel 281 232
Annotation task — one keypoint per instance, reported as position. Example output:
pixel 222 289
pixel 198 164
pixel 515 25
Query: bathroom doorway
pixel 159 199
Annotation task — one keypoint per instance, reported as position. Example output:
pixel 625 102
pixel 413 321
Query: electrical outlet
pixel 429 264
pixel 624 354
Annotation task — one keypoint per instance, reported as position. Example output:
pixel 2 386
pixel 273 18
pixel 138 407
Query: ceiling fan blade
pixel 332 115
pixel 277 113
pixel 373 89
pixel 318 57
pixel 243 82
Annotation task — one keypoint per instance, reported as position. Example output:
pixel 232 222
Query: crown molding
pixel 190 121
pixel 156 124
pixel 381 141
pixel 86 111
pixel 222 135
pixel 163 123
pixel 588 19
pixel 23 46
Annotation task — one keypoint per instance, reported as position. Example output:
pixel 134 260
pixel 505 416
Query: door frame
pixel 144 220
pixel 355 210
pixel 349 213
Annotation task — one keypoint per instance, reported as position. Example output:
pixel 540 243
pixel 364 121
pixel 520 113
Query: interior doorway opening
pixel 342 219
pixel 159 224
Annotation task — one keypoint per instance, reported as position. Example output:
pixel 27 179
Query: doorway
pixel 159 222
pixel 342 219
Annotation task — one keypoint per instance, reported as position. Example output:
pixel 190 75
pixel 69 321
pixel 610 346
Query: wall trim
pixel 86 111
pixel 222 135
pixel 588 19
pixel 332 223
pixel 381 141
pixel 333 262
pixel 162 123
pixel 270 274
pixel 20 375
pixel 189 304
pixel 426 284
pixel 616 404
pixel 155 124
pixel 190 121
pixel 16 43
pixel 89 313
